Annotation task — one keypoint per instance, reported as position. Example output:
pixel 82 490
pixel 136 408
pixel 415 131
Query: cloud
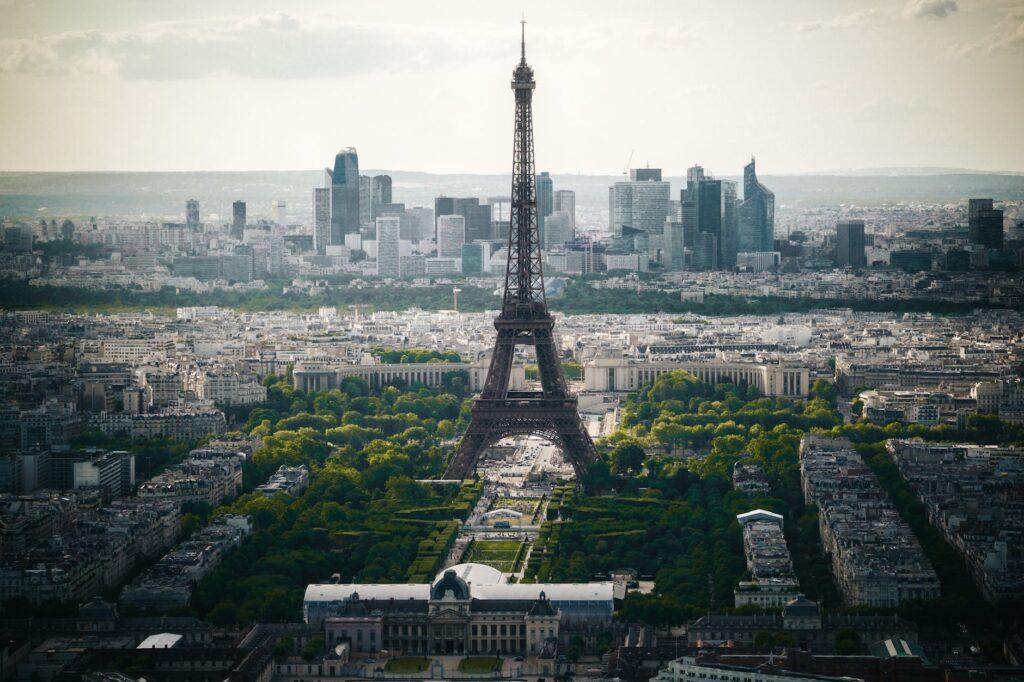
pixel 279 46
pixel 929 9
pixel 840 23
pixel 1006 38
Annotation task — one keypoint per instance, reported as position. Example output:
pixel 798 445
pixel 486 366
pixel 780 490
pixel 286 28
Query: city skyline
pixel 805 87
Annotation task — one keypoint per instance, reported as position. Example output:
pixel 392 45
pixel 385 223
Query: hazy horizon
pixel 234 85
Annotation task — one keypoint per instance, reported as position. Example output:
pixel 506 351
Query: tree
pixel 847 643
pixel 224 614
pixel 626 458
pixel 284 648
pixel 314 647
pixel 825 390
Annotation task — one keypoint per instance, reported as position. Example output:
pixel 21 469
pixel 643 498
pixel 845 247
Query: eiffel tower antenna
pixel 522 23
pixel 524 321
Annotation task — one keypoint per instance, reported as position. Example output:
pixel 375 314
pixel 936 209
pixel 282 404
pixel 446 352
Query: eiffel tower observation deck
pixel 524 320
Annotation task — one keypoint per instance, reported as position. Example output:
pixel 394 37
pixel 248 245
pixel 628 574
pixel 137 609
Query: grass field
pixel 479 664
pixel 527 505
pixel 501 554
pixel 407 664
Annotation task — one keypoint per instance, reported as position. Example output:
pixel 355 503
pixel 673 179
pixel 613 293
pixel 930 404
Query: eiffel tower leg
pixel 498 374
pixel 552 378
pixel 463 462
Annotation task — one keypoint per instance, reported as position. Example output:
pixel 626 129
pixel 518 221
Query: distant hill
pixel 912 170
pixel 162 194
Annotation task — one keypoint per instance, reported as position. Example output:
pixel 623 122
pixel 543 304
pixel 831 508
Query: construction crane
pixel 625 170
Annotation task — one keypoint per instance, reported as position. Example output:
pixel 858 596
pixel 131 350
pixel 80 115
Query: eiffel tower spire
pixel 524 320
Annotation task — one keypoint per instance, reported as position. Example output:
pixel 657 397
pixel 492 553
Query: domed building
pixel 468 609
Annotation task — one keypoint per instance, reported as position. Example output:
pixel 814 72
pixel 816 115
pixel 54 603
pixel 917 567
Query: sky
pixel 803 85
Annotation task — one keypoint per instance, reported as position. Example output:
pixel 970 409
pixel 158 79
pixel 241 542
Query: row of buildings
pixel 771 582
pixel 876 558
pixel 972 495
pixel 69 546
pixel 169 582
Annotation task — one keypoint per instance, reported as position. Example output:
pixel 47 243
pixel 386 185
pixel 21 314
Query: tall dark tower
pixel 524 320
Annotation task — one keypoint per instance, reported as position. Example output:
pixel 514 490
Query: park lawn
pixel 527 505
pixel 494 546
pixel 479 664
pixel 499 554
pixel 407 664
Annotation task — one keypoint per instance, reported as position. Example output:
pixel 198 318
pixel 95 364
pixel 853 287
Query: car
pixel 371 659
pixel 518 659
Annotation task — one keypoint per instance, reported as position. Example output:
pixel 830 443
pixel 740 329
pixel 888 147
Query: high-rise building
pixel 565 202
pixel 321 219
pixel 705 251
pixel 422 219
pixel 451 235
pixel 192 215
pixel 477 215
pixel 850 244
pixel 975 207
pixel 730 226
pixel 388 246
pixel 641 203
pixel 238 219
pixel 381 190
pixel 545 200
pixel 344 180
pixel 985 224
pixel 279 212
pixel 18 239
pixel 708 210
pixel 366 216
pixel 756 213
pixel 645 174
pixel 674 247
pixel 558 230
pixel 475 258
pixel 406 233
pixel 694 174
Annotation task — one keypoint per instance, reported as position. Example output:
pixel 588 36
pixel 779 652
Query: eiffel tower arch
pixel 524 321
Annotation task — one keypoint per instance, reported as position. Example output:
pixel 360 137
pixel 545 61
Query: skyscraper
pixel 545 200
pixel 451 235
pixel 985 224
pixel 279 212
pixel 477 215
pixel 674 247
pixel 192 215
pixel 321 218
pixel 366 216
pixel 730 226
pixel 557 230
pixel 381 190
pixel 641 203
pixel 422 219
pixel 694 174
pixel 708 209
pixel 565 201
pixel 475 258
pixel 388 246
pixel 238 219
pixel 344 195
pixel 850 244
pixel 756 213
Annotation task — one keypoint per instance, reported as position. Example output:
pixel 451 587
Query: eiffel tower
pixel 524 320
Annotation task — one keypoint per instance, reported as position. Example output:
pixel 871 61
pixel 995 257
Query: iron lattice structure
pixel 524 320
